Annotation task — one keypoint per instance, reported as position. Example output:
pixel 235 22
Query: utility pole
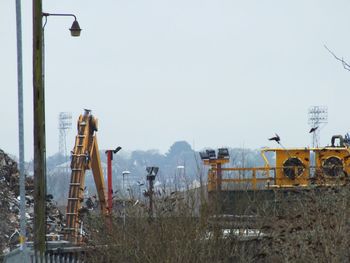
pixel 39 133
pixel 21 131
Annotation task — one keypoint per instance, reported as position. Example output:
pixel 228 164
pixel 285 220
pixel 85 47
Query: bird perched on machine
pixel 275 138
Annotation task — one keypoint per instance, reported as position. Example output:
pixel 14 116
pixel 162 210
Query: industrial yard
pixel 295 207
pixel 188 131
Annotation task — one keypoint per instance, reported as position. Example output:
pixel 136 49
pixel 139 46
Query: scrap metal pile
pixel 9 207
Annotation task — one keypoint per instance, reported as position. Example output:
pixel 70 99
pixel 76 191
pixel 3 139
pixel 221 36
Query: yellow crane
pixel 85 156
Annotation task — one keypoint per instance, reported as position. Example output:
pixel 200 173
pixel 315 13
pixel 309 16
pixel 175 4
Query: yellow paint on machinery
pixel 215 173
pixel 332 162
pixel 292 167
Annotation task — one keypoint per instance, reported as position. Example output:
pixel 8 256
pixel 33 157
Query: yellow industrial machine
pixel 286 176
pixel 85 155
pixel 332 162
pixel 294 167
pixel 291 168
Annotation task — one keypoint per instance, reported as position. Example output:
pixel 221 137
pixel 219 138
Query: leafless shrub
pixel 303 226
pixel 177 235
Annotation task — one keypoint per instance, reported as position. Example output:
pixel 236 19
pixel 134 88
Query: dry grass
pixel 308 226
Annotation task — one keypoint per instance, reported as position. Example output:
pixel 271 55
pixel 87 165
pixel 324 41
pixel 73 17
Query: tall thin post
pixel 218 187
pixel 21 128
pixel 124 203
pixel 151 176
pixel 218 177
pixel 109 177
pixel 151 198
pixel 39 132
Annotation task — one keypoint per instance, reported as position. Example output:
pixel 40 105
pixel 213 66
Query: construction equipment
pixel 291 171
pixel 85 156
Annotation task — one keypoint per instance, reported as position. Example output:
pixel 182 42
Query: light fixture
pixel 204 155
pixel 117 149
pixel 223 153
pixel 152 170
pixel 75 29
pixel 211 154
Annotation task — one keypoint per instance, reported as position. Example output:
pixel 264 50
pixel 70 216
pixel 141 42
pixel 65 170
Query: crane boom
pixel 85 156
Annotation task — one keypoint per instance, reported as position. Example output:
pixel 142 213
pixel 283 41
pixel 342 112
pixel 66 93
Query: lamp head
pixel 223 153
pixel 152 170
pixel 75 29
pixel 211 154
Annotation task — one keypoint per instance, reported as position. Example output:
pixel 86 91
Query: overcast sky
pixel 214 73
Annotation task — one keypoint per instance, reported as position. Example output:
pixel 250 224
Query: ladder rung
pixel 82 123
pixel 81 136
pixel 75 184
pixel 79 155
pixel 71 213
pixel 73 198
pixel 76 169
pixel 80 145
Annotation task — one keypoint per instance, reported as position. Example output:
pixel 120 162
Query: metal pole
pixel 218 187
pixel 109 177
pixel 151 198
pixel 123 203
pixel 39 132
pixel 21 130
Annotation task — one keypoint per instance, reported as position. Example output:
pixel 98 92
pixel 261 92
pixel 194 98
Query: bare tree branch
pixel 345 64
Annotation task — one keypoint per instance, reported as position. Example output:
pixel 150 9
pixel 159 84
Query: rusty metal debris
pixel 9 207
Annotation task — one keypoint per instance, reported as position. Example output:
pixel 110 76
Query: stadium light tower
pixel 64 125
pixel 317 118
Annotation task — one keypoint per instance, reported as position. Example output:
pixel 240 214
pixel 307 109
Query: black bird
pixel 275 138
pixel 313 129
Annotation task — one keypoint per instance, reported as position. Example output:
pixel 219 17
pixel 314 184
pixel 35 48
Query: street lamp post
pixel 39 125
pixel 75 29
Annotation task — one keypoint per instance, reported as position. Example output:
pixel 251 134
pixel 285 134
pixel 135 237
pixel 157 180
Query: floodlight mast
pixel 209 158
pixel 317 116
pixel 215 171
